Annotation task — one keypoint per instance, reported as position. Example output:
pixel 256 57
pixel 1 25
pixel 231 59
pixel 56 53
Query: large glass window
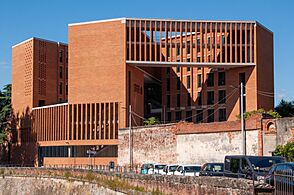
pixel 199 80
pixel 221 78
pixel 178 115
pixel 188 82
pixel 199 98
pixel 168 101
pixel 189 116
pixel 178 100
pixel 199 116
pixel 210 80
pixel 222 115
pixel 210 115
pixel 210 97
pixel 178 83
pixel 221 96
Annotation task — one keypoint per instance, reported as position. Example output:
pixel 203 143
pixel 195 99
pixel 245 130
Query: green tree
pixel 150 121
pixel 5 113
pixel 285 108
pixel 286 151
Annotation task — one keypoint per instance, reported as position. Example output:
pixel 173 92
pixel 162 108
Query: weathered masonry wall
pixel 285 130
pixel 48 186
pixel 190 143
pixel 212 147
pixel 150 144
pixel 41 181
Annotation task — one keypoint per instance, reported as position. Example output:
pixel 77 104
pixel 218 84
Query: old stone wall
pixel 150 144
pixel 212 147
pixel 47 186
pixel 285 130
pixel 189 143
pixel 42 181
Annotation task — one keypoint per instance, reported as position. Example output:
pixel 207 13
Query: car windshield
pixel 215 167
pixel 192 168
pixel 159 166
pixel 173 168
pixel 263 164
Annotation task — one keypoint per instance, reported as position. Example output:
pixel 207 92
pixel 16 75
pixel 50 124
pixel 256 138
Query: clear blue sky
pixel 48 19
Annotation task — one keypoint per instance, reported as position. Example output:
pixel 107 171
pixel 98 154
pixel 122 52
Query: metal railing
pixel 284 182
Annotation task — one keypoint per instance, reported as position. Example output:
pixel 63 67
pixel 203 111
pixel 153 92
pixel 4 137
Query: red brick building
pixel 171 69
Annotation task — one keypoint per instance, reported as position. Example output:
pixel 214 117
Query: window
pixel 178 50
pixel 188 60
pixel 178 83
pixel 210 115
pixel 60 72
pixel 178 69
pixel 41 103
pixel 168 51
pixel 188 48
pixel 188 99
pixel 221 78
pixel 210 80
pixel 199 116
pixel 169 116
pixel 198 60
pixel 66 89
pixel 210 97
pixel 208 40
pixel 178 100
pixel 222 116
pixel 66 57
pixel 199 98
pixel 66 73
pixel 198 41
pixel 167 84
pixel 61 56
pixel 188 69
pixel 234 165
pixel 60 88
pixel 221 96
pixel 189 116
pixel 168 70
pixel 178 115
pixel 223 39
pixel 199 80
pixel 168 101
pixel 188 82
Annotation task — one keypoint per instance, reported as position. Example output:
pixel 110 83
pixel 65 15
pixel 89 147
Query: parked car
pixel 212 169
pixel 282 174
pixel 147 168
pixel 188 170
pixel 250 167
pixel 170 169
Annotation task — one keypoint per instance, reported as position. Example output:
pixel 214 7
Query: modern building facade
pixel 171 69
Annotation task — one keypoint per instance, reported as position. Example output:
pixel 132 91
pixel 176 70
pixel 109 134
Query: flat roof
pixel 40 39
pixel 158 19
pixel 123 19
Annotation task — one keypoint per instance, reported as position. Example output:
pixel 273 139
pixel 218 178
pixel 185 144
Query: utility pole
pixel 242 120
pixel 130 136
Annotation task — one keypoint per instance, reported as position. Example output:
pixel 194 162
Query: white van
pixel 188 170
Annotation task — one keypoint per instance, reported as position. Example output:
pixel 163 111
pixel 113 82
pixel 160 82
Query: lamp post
pixel 242 120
